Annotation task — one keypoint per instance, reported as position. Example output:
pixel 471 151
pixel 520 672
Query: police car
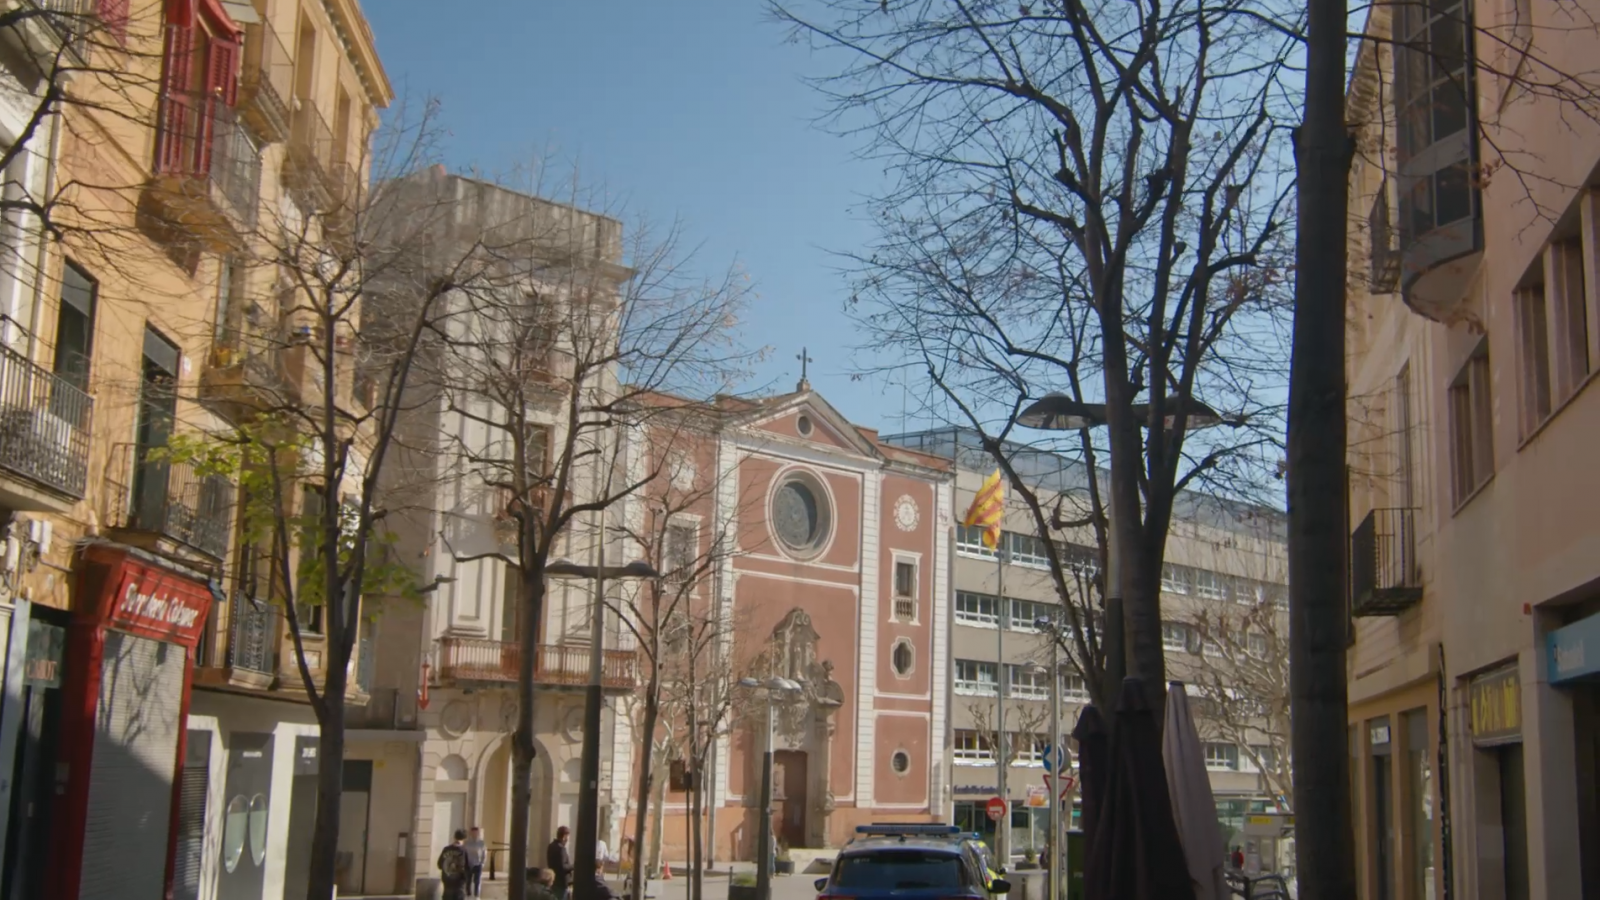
pixel 910 862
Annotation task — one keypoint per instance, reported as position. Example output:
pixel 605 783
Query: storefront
pixel 119 806
pixel 32 707
pixel 1499 781
pixel 1573 660
pixel 1397 800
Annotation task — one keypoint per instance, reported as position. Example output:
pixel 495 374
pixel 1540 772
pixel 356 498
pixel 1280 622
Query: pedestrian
pixel 602 853
pixel 602 891
pixel 559 859
pixel 453 868
pixel 477 853
pixel 539 881
pixel 1238 858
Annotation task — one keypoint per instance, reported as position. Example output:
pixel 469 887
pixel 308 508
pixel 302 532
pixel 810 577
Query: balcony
pixel 307 172
pixel 266 83
pixel 168 501
pixel 44 436
pixel 1384 579
pixel 207 178
pixel 474 660
pixel 1385 275
pixel 248 660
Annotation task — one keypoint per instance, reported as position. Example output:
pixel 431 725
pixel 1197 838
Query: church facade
pixel 822 557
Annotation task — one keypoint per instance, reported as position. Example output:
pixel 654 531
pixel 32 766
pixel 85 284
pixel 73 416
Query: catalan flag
pixel 987 509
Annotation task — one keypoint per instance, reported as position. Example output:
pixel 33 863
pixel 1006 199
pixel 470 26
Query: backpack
pixel 453 865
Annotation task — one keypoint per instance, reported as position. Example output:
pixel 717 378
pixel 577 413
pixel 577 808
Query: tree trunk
pixel 1324 845
pixel 658 825
pixel 652 712
pixel 532 589
pixel 696 836
pixel 330 788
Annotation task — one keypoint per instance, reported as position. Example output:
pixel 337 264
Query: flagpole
pixel 1002 833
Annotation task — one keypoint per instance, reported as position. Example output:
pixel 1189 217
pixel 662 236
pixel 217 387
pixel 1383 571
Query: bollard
pixel 429 889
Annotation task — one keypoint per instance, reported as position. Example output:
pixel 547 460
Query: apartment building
pixel 1225 631
pixel 166 748
pixel 430 752
pixel 1475 576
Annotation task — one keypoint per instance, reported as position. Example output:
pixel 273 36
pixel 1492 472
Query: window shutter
pixel 176 108
pixel 114 13
pixel 222 79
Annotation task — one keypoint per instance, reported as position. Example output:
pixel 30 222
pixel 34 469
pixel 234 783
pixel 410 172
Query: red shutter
pixel 177 113
pixel 221 86
pixel 115 14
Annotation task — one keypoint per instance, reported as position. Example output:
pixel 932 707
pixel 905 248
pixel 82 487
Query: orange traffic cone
pixel 666 871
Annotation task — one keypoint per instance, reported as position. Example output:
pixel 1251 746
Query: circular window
pixel 803 424
pixel 901 761
pixel 235 825
pixel 902 659
pixel 258 829
pixel 800 517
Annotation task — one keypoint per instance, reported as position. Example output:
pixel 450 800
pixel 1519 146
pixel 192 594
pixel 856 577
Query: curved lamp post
pixel 772 687
pixel 588 825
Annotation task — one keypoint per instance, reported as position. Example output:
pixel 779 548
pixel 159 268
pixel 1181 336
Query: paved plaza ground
pixel 784 887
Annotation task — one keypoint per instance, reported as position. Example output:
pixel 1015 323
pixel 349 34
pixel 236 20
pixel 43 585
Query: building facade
pixel 1224 628
pixel 833 574
pixel 1472 341
pixel 163 745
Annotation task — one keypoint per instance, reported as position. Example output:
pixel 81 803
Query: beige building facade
pixel 1475 564
pixel 1224 632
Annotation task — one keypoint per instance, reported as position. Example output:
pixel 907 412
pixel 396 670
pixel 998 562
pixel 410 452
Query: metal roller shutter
pixel 192 816
pixel 130 781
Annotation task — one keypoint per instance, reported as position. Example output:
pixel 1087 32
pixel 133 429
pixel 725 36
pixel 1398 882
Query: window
pixel 1471 426
pixel 682 544
pixel 905 590
pixel 976 609
pixel 976 677
pixel 1264 756
pixel 969 540
pixel 972 748
pixel 1175 579
pixel 1257 645
pixel 1210 585
pixel 1567 302
pixel 900 762
pixel 1403 426
pixel 1431 62
pixel 1031 749
pixel 886 871
pixel 902 658
pixel 1026 550
pixel 1025 612
pixel 1222 757
pixel 1078 558
pixel 75 327
pixel 1175 636
pixel 1074 689
pixel 1533 356
pixel 1027 682
pixel 307 612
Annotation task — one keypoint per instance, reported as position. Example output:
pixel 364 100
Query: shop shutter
pixel 192 816
pixel 137 719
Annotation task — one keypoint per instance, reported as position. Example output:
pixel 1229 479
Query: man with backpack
pixel 454 868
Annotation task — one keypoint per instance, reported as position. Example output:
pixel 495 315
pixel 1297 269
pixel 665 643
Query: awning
pixel 242 12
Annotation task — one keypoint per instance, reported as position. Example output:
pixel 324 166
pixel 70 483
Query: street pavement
pixel 784 887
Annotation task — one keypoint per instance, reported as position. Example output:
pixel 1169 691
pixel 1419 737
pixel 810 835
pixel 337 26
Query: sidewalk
pixel 784 887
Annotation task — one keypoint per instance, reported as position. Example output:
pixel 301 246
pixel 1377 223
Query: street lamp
pixel 1058 412
pixel 772 686
pixel 583 881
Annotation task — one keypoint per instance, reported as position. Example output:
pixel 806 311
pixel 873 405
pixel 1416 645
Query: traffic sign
pixel 1054 758
pixel 996 808
pixel 1067 784
pixel 1038 797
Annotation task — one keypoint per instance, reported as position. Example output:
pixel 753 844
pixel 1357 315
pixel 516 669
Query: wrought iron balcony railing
pixel 170 500
pixel 479 660
pixel 208 162
pixel 252 634
pixel 44 425
pixel 1384 578
pixel 310 152
pixel 266 82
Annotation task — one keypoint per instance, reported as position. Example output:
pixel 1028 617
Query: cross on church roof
pixel 805 360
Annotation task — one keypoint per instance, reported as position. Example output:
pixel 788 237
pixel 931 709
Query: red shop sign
pixel 156 603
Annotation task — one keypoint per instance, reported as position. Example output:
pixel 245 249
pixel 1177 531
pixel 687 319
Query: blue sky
pixel 691 108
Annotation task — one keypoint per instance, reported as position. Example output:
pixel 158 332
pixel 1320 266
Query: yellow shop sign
pixel 1496 706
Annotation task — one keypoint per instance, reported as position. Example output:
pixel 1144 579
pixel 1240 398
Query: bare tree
pixel 666 527
pixel 1241 675
pixel 546 363
pixel 1090 198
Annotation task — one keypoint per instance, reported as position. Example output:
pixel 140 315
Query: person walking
pixel 559 859
pixel 453 868
pixel 477 854
pixel 602 891
pixel 540 882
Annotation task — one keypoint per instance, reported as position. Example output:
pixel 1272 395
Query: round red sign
pixel 996 808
